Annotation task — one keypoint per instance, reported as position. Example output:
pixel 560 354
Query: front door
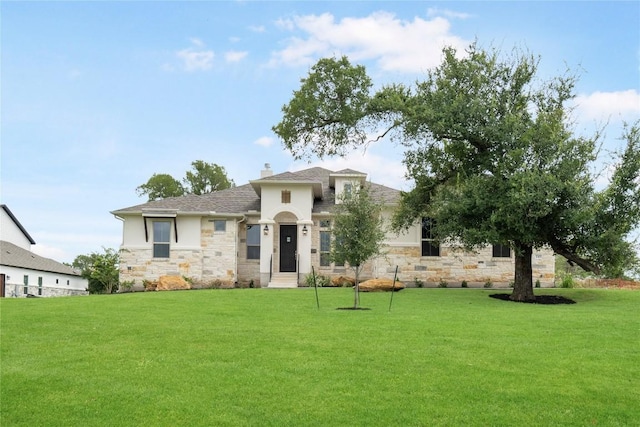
pixel 288 247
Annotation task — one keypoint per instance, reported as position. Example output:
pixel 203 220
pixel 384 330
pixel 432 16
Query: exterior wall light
pixel 304 230
pixel 266 230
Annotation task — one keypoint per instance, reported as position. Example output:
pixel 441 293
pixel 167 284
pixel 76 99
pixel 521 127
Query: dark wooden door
pixel 2 280
pixel 288 247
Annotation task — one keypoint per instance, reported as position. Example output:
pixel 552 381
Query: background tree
pixel 202 179
pixel 206 178
pixel 100 269
pixel 161 186
pixel 357 232
pixel 491 154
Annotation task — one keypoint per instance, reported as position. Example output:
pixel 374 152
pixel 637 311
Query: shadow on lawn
pixel 540 299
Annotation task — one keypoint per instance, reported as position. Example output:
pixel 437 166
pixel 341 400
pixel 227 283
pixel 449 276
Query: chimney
pixel 266 171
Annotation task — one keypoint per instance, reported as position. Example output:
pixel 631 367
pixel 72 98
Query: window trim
pixel 426 238
pixel 498 251
pixel 253 245
pixel 157 243
pixel 216 222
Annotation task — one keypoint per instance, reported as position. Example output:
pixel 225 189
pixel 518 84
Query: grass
pixel 270 358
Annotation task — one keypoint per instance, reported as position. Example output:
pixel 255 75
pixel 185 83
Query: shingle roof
pixel 241 199
pixel 14 256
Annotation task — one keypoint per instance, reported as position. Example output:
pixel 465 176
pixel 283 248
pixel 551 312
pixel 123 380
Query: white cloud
pixel 396 45
pixel 235 56
pixel 264 141
pixel 621 105
pixel 196 57
pixel 435 11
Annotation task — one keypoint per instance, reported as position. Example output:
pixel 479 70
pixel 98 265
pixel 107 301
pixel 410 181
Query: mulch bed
pixel 540 299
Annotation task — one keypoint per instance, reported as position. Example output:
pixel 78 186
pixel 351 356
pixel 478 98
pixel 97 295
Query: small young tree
pixel 101 270
pixel 357 231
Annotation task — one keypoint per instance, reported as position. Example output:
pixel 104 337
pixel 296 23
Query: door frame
pixel 289 256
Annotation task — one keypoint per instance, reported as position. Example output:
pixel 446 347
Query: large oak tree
pixel 491 151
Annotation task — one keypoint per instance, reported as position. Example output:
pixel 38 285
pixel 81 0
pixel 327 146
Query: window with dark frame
pixel 39 285
pixel 219 225
pixel 286 196
pixel 429 246
pixel 253 241
pixel 325 248
pixel 25 281
pixel 501 251
pixel 161 239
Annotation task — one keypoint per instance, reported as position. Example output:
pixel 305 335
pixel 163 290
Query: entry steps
pixel 284 280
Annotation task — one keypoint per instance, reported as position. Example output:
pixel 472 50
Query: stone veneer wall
pixel 16 290
pixel 215 261
pixel 453 267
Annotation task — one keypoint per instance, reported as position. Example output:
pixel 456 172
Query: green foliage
pixel 206 178
pixel 160 186
pixel 491 151
pixel 488 284
pixel 100 269
pixel 324 114
pixel 202 179
pixel 320 280
pixel 537 283
pixel 357 231
pixel 464 284
pixel 442 283
pixel 567 281
pixel 418 283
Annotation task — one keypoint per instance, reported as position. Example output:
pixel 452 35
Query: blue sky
pixel 98 96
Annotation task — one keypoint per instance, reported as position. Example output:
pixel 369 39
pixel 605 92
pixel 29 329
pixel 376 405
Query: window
pixel 286 196
pixel 325 248
pixel 429 246
pixel 348 188
pixel 220 225
pixel 161 234
pixel 253 241
pixel 325 223
pixel 39 285
pixel 501 251
pixel 25 280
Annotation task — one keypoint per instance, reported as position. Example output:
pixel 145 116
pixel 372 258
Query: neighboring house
pixel 23 273
pixel 272 230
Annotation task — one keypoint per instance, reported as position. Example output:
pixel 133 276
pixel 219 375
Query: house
pixel 23 273
pixel 273 230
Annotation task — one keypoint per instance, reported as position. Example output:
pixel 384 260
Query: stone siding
pixel 13 290
pixel 214 261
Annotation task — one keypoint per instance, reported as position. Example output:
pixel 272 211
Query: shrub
pixel 442 284
pixel 567 282
pixel 488 284
pixel 537 283
pixel 512 284
pixel 464 284
pixel 127 285
pixel 321 280
pixel 418 283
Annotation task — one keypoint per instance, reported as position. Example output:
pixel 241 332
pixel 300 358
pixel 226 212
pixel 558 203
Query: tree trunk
pixel 356 289
pixel 523 283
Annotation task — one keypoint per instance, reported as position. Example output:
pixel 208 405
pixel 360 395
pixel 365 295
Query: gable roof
pixel 15 220
pixel 242 199
pixel 14 256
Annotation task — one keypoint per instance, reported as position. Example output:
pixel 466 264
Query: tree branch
pixel 561 249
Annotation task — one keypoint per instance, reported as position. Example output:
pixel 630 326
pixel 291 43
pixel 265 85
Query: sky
pixel 96 97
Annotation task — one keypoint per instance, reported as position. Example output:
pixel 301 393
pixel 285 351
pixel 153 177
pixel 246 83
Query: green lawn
pixel 269 358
